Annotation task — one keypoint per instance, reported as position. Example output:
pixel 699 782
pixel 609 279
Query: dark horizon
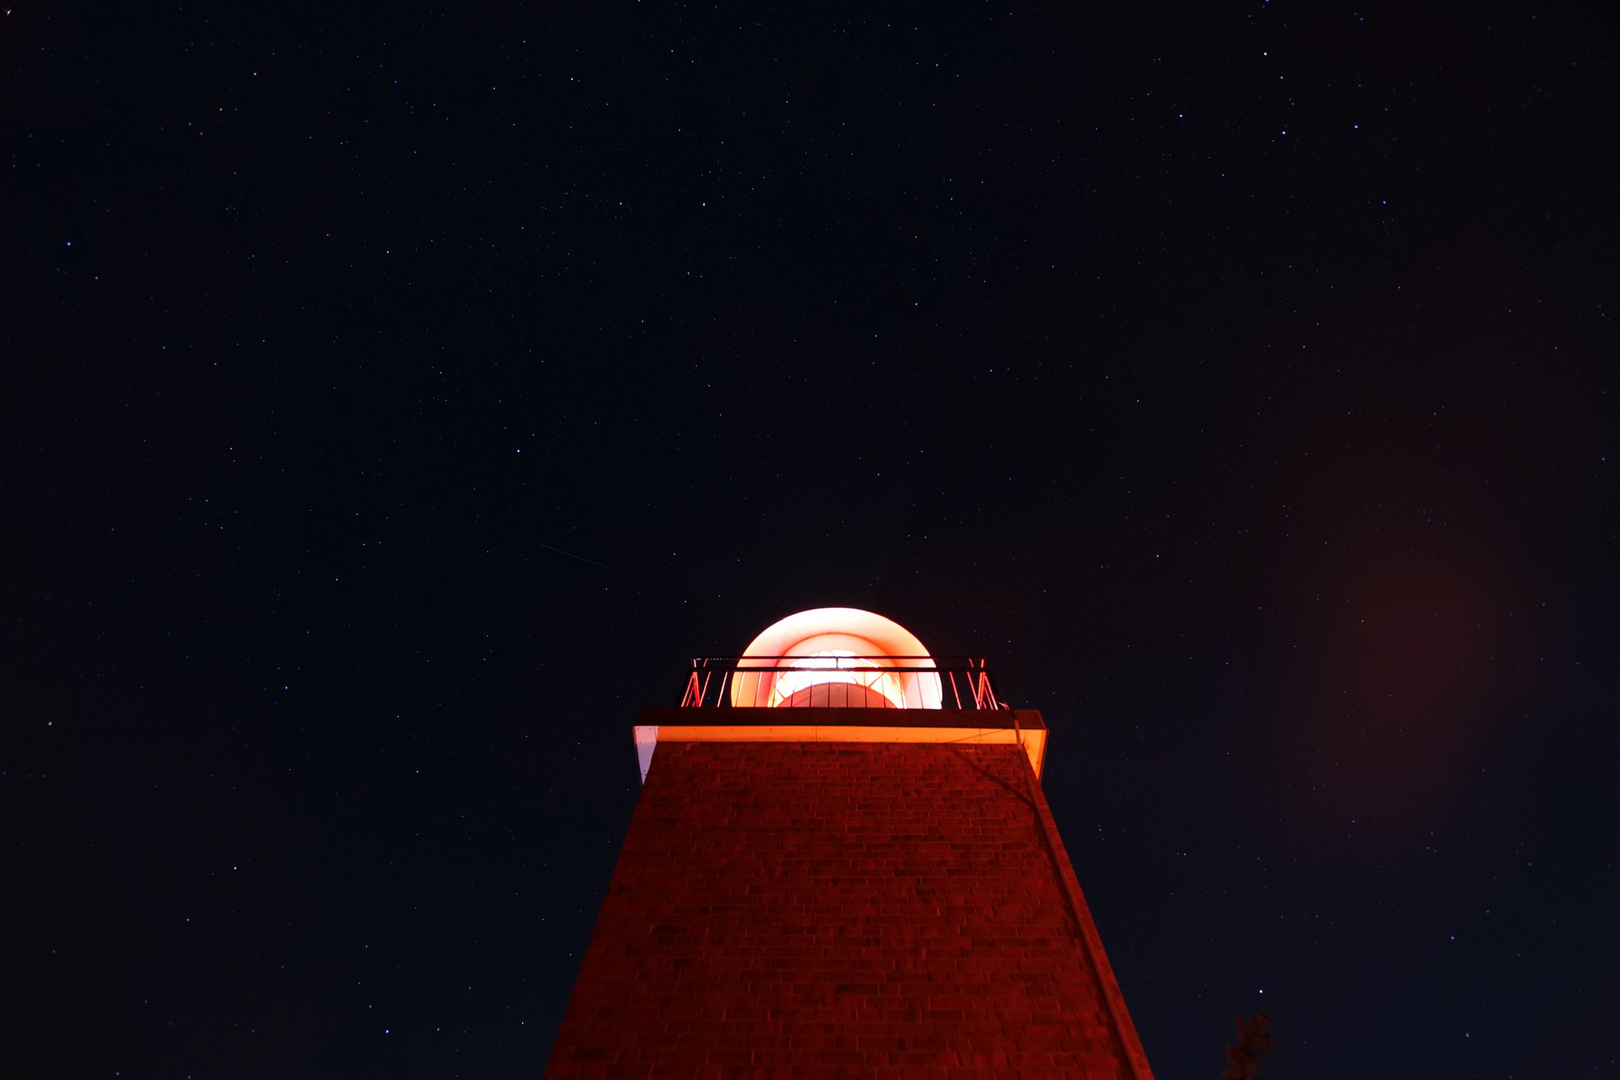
pixel 397 398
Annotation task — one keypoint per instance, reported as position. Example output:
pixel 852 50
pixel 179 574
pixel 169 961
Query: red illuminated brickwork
pixel 837 910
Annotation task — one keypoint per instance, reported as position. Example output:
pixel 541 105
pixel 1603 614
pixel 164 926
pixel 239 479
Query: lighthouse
pixel 841 865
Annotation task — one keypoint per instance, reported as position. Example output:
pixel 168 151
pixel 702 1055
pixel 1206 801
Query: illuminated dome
pixel 836 657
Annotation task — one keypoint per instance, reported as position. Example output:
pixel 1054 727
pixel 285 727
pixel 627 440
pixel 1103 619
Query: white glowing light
pixel 837 666
pixel 849 653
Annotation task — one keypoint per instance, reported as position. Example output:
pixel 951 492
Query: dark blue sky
pixel 395 399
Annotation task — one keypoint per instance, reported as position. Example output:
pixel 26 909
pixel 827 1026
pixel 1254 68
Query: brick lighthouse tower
pixel 841 866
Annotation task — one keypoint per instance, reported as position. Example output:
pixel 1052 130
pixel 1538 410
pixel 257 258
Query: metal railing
pixel 882 682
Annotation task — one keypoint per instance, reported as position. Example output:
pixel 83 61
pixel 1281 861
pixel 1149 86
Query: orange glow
pixel 845 653
pixel 1033 740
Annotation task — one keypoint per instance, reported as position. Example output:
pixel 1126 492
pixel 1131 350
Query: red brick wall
pixel 836 910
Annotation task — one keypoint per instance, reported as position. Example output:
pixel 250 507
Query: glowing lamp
pixel 836 658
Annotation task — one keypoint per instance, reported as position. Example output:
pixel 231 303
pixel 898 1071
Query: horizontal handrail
pixel 894 682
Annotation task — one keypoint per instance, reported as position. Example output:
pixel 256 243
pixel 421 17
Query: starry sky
pixel 397 395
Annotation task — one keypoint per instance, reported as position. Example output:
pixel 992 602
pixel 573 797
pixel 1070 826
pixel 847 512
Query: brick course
pixel 822 911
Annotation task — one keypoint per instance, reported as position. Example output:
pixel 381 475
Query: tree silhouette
pixel 1254 1042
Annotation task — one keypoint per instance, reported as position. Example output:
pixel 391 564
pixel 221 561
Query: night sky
pixel 394 400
